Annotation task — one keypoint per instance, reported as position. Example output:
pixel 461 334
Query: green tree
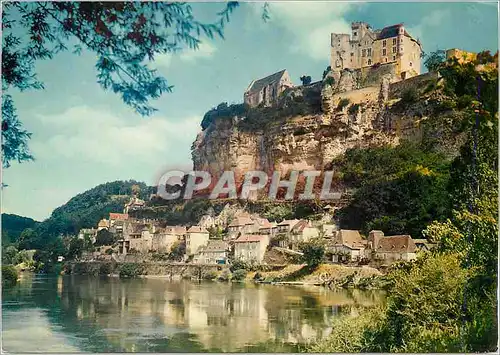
pixel 9 276
pixel 104 237
pixel 75 249
pixel 435 60
pixel 306 80
pixel 314 252
pixel 178 251
pixel 29 239
pixel 8 255
pixel 123 35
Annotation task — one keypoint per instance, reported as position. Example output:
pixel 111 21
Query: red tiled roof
pixel 241 221
pixel 115 216
pixel 299 227
pixel 249 238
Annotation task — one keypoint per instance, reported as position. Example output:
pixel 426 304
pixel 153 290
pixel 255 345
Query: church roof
pixel 258 85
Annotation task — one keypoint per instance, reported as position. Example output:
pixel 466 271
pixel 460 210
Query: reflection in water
pixel 79 313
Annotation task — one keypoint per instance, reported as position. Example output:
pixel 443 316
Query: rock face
pixel 341 119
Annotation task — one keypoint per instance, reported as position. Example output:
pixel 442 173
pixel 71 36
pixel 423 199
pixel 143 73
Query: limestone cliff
pixel 309 126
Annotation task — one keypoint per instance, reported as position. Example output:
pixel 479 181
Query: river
pixel 98 314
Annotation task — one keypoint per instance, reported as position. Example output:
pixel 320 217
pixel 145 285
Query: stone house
pixel 302 231
pixel 196 237
pixel 251 248
pixel 365 47
pixel 240 224
pixel 103 224
pixel 391 248
pixel 347 245
pixel 268 228
pixel 141 238
pixel 286 225
pixel 423 244
pixel 267 90
pixel 135 203
pixel 215 252
pixel 163 240
pixel 207 221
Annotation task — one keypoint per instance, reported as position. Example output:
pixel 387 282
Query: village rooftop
pixel 253 181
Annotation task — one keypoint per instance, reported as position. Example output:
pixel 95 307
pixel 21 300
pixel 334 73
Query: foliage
pixel 277 212
pixel 353 109
pixel 239 265
pixel 104 237
pixel 399 189
pixel 215 232
pixel 314 251
pixel 87 209
pixel 9 275
pixel 9 254
pixel 239 275
pixel 330 81
pixel 210 275
pixel 344 102
pixel 326 71
pixel 105 269
pixel 127 270
pixel 409 96
pixel 434 60
pixel 306 80
pixel 178 250
pixel 124 36
pixel 29 239
pixel 223 111
pixel 13 225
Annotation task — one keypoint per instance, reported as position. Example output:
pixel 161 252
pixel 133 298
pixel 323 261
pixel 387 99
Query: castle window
pixel 384 43
pixel 394 41
pixel 352 54
pixel 394 50
pixel 369 52
pixel 369 62
pixel 363 53
pixel 384 51
pixel 401 48
pixel 355 33
pixel 393 57
pixel 410 64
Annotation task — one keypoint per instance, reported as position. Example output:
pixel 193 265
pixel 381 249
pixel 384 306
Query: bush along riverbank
pixel 332 276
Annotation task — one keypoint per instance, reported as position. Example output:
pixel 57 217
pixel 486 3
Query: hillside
pixel 13 225
pixel 86 209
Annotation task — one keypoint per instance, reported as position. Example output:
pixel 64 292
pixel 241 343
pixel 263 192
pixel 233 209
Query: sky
pixel 84 136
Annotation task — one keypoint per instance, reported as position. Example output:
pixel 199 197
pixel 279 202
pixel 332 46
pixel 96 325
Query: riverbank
pixel 328 275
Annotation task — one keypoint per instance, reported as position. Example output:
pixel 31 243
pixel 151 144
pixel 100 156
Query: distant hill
pixel 86 209
pixel 13 225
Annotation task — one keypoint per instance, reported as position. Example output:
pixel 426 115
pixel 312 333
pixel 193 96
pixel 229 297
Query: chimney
pixel 374 238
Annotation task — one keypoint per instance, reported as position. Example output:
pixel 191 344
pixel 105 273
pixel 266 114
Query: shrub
pixel 210 275
pixel 410 95
pixel 108 251
pixel 330 81
pixel 239 275
pixel 343 103
pixel 225 276
pixel 314 251
pixel 9 275
pixel 105 269
pixel 353 109
pixel 239 265
pixel 130 270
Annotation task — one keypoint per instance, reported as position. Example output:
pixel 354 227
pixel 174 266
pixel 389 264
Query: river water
pixel 98 314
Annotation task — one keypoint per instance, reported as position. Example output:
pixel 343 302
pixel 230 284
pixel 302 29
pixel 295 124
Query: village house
pixel 103 224
pixel 196 237
pixel 251 248
pixel 423 244
pixel 286 225
pixel 207 221
pixel 240 224
pixel 162 241
pixel 328 230
pixel 347 245
pixel 391 248
pixel 267 90
pixel 215 252
pixel 303 231
pixel 268 228
pixel 365 47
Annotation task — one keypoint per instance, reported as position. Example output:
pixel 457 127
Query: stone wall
pixel 419 82
pixel 371 76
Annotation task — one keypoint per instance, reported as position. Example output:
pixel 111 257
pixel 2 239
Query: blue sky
pixel 83 136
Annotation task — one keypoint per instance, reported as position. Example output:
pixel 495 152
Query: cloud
pixel 84 134
pixel 425 30
pixel 310 24
pixel 205 51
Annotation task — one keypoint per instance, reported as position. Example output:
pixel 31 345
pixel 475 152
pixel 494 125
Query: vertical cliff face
pixel 308 128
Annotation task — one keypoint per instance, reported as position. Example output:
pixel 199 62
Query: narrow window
pixel 393 49
pixel 384 43
pixel 394 41
pixel 384 52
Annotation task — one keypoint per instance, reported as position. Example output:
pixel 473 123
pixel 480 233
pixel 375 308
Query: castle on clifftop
pixel 366 47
